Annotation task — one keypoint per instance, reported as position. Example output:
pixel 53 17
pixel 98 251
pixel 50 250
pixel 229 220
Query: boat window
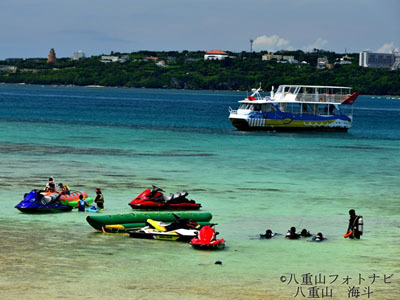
pixel 257 107
pixel 245 106
pixel 292 89
pixel 309 90
pixel 305 109
pixel 293 108
pixel 329 109
pixel 268 108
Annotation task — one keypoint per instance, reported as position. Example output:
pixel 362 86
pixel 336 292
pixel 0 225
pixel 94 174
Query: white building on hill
pixel 78 55
pixel 215 55
pixel 378 60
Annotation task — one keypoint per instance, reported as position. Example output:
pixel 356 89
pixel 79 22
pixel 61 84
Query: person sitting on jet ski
pixel 51 188
pixel 65 190
pixel 51 185
pixel 319 237
pixel 268 234
pixel 305 233
pixel 291 234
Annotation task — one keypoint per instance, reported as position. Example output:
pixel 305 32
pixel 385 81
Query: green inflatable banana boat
pixel 126 222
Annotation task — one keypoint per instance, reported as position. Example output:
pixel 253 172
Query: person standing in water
pixel 355 228
pixel 82 204
pixel 99 199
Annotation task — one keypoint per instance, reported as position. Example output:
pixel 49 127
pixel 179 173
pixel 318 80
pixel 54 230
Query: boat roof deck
pixel 315 86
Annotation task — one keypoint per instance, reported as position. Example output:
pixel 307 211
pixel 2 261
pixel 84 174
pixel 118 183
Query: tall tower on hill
pixel 52 56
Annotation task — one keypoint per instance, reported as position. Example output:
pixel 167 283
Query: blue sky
pixel 29 28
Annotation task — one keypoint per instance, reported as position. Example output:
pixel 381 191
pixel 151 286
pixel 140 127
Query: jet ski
pixel 180 230
pixel 37 202
pixel 206 239
pixel 155 199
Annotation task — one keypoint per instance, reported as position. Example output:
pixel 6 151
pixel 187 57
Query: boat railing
pixel 232 111
pixel 331 98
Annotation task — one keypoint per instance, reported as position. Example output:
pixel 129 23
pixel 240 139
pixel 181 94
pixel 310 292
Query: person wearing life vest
pixel 65 190
pixel 51 185
pixel 82 204
pixel 355 228
pixel 99 199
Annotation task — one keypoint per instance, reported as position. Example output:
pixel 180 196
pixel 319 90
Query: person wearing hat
pixel 65 189
pixel 99 199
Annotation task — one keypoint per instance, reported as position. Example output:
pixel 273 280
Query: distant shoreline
pixel 189 70
pixel 384 97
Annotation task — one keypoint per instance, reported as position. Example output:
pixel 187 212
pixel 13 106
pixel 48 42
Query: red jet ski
pixel 155 199
pixel 206 239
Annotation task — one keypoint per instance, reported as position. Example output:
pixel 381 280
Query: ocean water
pixel 125 140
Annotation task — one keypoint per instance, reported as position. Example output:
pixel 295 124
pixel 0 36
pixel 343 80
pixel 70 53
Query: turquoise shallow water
pixel 125 140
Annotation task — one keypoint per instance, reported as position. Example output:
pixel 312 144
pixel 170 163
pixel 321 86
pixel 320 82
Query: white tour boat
pixel 296 108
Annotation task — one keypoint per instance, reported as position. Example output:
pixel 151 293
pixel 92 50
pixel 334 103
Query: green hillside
pixel 188 70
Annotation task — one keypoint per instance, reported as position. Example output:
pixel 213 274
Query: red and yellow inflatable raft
pixel 73 198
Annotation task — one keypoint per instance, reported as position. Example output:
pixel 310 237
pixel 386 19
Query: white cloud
pixel 270 43
pixel 386 48
pixel 318 44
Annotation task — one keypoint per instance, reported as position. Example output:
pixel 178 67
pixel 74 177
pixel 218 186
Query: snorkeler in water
pixel 319 237
pixel 305 233
pixel 291 234
pixel 268 234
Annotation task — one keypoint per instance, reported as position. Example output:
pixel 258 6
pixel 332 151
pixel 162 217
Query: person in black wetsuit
pixel 305 233
pixel 99 199
pixel 319 237
pixel 268 234
pixel 291 234
pixel 355 225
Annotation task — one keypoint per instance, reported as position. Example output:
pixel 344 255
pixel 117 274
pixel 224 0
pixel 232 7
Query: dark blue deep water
pixel 200 111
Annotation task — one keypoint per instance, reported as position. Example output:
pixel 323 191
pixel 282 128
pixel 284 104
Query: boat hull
pixel 209 247
pixel 163 236
pixel 43 209
pixel 289 125
pixel 166 206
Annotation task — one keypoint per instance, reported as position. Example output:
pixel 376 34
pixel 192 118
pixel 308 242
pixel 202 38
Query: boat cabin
pixel 309 93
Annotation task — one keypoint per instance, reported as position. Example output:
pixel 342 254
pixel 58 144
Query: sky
pixel 29 28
